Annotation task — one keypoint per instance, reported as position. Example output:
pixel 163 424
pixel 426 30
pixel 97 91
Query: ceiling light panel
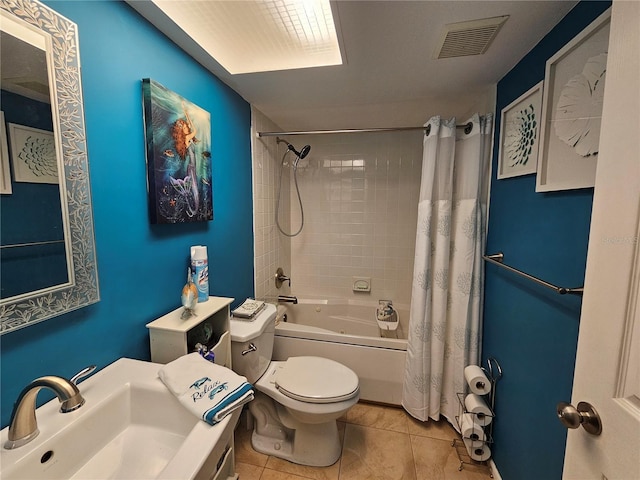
pixel 260 36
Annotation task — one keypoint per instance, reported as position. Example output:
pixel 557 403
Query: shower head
pixel 303 152
pixel 300 154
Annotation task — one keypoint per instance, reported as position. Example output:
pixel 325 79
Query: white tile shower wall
pixel 360 196
pixel 271 249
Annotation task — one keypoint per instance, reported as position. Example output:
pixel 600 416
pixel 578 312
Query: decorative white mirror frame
pixel 68 115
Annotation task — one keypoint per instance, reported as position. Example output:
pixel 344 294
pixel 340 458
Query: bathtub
pixel 347 332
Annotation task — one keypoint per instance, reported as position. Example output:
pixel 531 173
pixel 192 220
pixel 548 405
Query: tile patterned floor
pixel 378 443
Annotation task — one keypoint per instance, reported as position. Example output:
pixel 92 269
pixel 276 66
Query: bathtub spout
pixel 287 299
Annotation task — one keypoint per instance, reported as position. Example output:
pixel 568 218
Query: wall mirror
pixel 47 247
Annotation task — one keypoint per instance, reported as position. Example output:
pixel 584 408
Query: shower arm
pixel 304 151
pixel 289 146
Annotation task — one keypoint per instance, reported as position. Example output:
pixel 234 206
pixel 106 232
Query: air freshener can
pixel 200 269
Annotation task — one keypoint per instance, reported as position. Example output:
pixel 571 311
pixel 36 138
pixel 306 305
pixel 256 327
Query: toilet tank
pixel 259 332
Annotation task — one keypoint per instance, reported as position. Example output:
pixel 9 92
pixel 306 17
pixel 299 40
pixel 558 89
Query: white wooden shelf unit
pixel 171 336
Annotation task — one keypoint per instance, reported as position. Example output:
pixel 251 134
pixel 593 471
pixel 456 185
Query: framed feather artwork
pixel 519 134
pixel 33 154
pixel 5 172
pixel 572 110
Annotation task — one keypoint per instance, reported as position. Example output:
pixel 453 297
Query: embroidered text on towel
pixel 209 388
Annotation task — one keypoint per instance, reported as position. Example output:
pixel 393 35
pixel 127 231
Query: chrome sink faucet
pixel 23 426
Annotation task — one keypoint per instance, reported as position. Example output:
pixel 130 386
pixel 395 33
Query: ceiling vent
pixel 469 38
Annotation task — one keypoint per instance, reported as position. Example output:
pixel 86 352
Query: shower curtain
pixel 446 298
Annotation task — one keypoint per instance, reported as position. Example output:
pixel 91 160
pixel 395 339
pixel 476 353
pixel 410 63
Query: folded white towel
pixel 248 309
pixel 208 390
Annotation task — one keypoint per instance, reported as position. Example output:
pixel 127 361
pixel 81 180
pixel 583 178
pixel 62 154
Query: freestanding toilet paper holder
pixel 477 443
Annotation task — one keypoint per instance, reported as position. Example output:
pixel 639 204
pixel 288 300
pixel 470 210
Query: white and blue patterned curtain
pixel 445 324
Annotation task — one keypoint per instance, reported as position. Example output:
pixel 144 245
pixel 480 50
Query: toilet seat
pixel 316 380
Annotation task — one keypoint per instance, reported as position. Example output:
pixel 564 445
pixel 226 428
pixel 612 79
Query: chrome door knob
pixel 584 414
pixel 568 415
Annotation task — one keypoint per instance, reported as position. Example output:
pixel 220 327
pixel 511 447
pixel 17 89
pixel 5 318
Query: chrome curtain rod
pixel 498 258
pixel 467 129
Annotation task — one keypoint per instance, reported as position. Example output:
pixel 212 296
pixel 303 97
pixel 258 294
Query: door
pixel 607 373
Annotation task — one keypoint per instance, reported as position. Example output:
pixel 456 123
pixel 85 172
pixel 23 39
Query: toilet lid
pixel 316 380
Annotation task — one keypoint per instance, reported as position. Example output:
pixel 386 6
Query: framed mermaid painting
pixel 178 153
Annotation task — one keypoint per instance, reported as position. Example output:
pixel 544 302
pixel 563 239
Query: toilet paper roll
pixel 470 429
pixel 478 451
pixel 477 380
pixel 477 406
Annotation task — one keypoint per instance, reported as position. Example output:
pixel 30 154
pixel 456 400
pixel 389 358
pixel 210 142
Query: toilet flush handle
pixel 252 348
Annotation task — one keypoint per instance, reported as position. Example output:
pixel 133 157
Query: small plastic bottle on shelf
pixel 205 352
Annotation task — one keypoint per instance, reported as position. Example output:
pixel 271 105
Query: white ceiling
pixel 390 77
pixel 23 62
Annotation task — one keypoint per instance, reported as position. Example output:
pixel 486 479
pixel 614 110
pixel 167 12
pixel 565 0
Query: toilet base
pixel 315 445
pixel 276 432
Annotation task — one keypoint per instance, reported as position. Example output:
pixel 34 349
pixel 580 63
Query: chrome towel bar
pixel 498 259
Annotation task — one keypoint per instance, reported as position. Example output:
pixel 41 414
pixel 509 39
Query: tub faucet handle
pixel 281 278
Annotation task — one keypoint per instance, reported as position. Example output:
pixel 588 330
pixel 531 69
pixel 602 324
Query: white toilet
pixel 297 401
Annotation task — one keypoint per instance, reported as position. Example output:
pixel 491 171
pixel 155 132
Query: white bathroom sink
pixel 130 427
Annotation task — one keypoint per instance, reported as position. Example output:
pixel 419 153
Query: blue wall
pixel 141 267
pixel 531 330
